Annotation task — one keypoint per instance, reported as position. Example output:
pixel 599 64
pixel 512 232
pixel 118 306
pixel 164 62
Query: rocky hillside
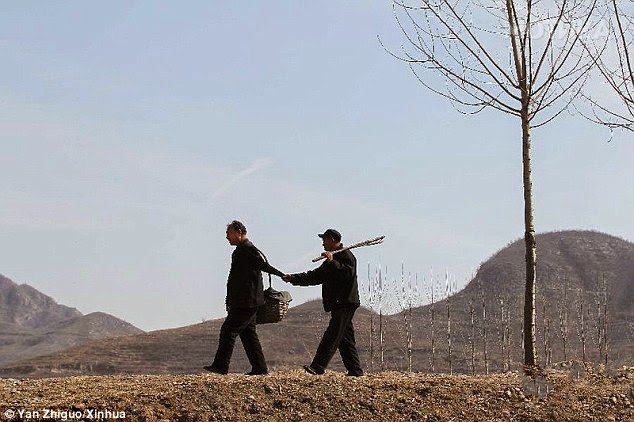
pixel 585 301
pixel 22 306
pixel 583 277
pixel 33 324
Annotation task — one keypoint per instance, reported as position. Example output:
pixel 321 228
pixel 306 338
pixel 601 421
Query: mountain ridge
pixel 34 324
pixel 25 306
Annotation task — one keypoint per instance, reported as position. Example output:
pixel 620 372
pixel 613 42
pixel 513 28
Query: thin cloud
pixel 257 165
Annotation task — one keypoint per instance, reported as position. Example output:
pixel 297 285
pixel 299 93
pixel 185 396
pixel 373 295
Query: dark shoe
pixel 257 373
pixel 213 369
pixel 355 374
pixel 312 370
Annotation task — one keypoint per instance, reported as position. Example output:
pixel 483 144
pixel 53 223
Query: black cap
pixel 332 233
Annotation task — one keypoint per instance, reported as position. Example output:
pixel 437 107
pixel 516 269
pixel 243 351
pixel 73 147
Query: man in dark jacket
pixel 245 294
pixel 340 294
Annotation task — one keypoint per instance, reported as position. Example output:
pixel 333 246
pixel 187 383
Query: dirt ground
pixel 294 395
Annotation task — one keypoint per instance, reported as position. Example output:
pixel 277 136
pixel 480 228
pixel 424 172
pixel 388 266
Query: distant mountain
pixel 582 277
pixel 24 307
pixel 33 324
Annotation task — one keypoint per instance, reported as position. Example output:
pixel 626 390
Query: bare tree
pixel 562 306
pixel 507 330
pixel 472 336
pixel 523 58
pixel 408 325
pixel 615 62
pixel 604 290
pixel 431 325
pixel 405 308
pixel 485 351
pixel 449 336
pixel 381 339
pixel 547 342
pixel 581 326
pixel 371 301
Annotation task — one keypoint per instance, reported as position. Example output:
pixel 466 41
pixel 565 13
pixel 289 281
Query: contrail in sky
pixel 257 165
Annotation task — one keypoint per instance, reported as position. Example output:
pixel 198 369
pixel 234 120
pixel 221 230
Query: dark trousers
pixel 339 335
pixel 239 321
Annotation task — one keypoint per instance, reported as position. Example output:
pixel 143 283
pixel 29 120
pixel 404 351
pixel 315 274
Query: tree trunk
pixel 530 353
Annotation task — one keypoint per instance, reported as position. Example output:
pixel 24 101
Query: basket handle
pixel 267 261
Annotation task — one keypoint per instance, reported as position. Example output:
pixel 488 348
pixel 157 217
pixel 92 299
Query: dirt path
pixel 293 395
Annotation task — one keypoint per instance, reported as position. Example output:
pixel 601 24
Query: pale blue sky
pixel 131 132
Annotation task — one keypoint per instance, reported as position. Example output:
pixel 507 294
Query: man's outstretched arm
pixel 310 278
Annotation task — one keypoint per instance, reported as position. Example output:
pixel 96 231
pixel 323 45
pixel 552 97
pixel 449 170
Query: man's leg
pixel 339 320
pixel 348 352
pixel 252 347
pixel 232 326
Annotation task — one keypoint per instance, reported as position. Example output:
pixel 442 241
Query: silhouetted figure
pixel 245 294
pixel 340 294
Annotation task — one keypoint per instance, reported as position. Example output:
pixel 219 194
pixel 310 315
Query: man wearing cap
pixel 245 294
pixel 340 294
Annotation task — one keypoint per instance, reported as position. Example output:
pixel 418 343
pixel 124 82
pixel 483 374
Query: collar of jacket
pixel 245 242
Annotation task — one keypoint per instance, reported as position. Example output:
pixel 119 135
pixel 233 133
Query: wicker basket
pixel 275 306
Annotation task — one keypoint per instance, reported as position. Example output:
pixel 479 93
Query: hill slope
pixel 33 324
pixel 582 278
pixel 577 271
pixel 22 306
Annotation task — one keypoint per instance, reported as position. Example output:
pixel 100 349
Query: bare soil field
pixel 294 396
